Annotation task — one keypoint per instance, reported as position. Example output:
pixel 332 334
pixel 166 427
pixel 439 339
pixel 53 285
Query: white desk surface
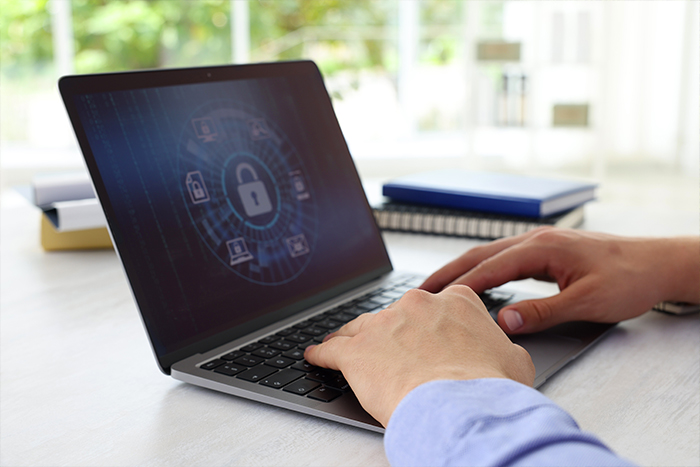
pixel 80 387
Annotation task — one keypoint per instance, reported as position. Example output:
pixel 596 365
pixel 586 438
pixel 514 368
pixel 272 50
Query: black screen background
pixel 184 292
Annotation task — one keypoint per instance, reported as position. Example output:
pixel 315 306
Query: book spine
pixel 506 206
pixel 467 226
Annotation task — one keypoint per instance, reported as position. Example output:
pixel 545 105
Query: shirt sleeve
pixel 491 421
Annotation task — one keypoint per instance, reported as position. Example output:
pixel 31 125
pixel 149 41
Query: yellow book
pixel 88 239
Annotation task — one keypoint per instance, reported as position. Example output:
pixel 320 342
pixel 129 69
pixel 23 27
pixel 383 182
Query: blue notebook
pixel 490 192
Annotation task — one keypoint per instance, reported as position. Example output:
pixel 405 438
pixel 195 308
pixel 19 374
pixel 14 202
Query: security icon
pixel 238 250
pixel 197 190
pixel 204 129
pixel 253 194
pixel 196 187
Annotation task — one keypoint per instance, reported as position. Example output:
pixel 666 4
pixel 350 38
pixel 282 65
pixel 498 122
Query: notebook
pixel 492 192
pixel 243 229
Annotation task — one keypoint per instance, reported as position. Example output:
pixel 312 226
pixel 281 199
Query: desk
pixel 79 385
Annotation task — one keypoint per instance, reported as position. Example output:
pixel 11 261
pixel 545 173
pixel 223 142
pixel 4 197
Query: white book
pixel 67 216
pixel 52 188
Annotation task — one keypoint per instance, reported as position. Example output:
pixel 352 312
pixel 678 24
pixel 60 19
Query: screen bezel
pixel 72 86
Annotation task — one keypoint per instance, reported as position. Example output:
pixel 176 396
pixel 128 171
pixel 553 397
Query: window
pixel 410 80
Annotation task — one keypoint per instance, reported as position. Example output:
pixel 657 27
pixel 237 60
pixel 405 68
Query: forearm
pixel 678 269
pixel 488 422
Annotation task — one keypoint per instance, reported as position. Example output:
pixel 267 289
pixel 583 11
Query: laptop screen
pixel 233 202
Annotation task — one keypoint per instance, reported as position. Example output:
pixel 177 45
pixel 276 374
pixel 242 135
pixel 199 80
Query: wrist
pixel 678 269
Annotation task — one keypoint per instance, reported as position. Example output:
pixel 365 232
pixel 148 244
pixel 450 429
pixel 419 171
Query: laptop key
pixel 269 340
pixel 323 375
pixel 325 394
pixel 314 331
pixel 492 299
pixel 286 332
pixel 233 355
pixel 339 382
pixel 296 354
pixel 280 362
pixel 212 364
pixel 328 324
pixel 230 369
pixel 302 386
pixel 298 338
pixel 304 366
pixel 381 301
pixel 392 294
pixel 257 373
pixel 303 324
pixel 266 352
pixel 283 345
pixel 316 340
pixel 282 378
pixel 251 347
pixel 355 312
pixel 343 317
pixel 248 360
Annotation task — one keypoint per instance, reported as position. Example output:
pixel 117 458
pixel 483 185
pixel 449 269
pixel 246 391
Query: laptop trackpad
pixel 548 351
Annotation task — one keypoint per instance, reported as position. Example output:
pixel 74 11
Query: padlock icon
pixel 196 187
pixel 253 194
pixel 299 183
pixel 197 190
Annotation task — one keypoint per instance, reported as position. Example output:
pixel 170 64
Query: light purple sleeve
pixel 488 422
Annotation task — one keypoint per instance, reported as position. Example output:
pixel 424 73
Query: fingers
pixel 454 269
pixel 353 327
pixel 507 266
pixel 572 304
pixel 328 353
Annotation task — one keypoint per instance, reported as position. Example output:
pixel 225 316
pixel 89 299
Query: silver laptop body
pixel 243 229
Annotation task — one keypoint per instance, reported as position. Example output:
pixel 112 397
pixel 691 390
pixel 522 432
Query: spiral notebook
pixel 414 218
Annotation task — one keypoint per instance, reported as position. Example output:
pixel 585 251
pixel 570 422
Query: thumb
pixel 539 314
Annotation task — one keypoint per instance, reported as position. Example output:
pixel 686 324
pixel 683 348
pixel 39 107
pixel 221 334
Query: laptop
pixel 239 217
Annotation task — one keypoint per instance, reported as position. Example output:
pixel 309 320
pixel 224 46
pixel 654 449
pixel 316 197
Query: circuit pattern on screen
pixel 247 192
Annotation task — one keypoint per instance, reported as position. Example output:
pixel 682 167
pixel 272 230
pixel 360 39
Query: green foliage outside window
pixel 112 35
pixel 25 35
pixel 123 35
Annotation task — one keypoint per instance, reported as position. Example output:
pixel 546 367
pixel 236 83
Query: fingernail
pixel 310 347
pixel 513 319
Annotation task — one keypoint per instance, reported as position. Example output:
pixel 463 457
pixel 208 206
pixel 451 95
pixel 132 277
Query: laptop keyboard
pixel 277 360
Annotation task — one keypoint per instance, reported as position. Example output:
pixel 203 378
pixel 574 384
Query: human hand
pixel 602 278
pixel 423 337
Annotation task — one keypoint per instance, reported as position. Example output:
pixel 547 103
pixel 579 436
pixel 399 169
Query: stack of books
pixel 72 217
pixel 480 204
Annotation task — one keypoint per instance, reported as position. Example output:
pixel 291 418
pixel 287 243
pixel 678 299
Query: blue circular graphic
pixel 247 193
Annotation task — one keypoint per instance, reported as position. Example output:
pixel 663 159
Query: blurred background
pixel 600 90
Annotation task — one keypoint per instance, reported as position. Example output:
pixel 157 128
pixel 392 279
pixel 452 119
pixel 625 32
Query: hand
pixel 423 337
pixel 602 278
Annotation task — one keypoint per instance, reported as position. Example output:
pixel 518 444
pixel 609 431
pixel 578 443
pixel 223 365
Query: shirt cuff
pixel 487 422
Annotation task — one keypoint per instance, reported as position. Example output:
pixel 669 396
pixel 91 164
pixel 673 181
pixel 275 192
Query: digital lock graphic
pixel 253 194
pixel 197 190
pixel 247 192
